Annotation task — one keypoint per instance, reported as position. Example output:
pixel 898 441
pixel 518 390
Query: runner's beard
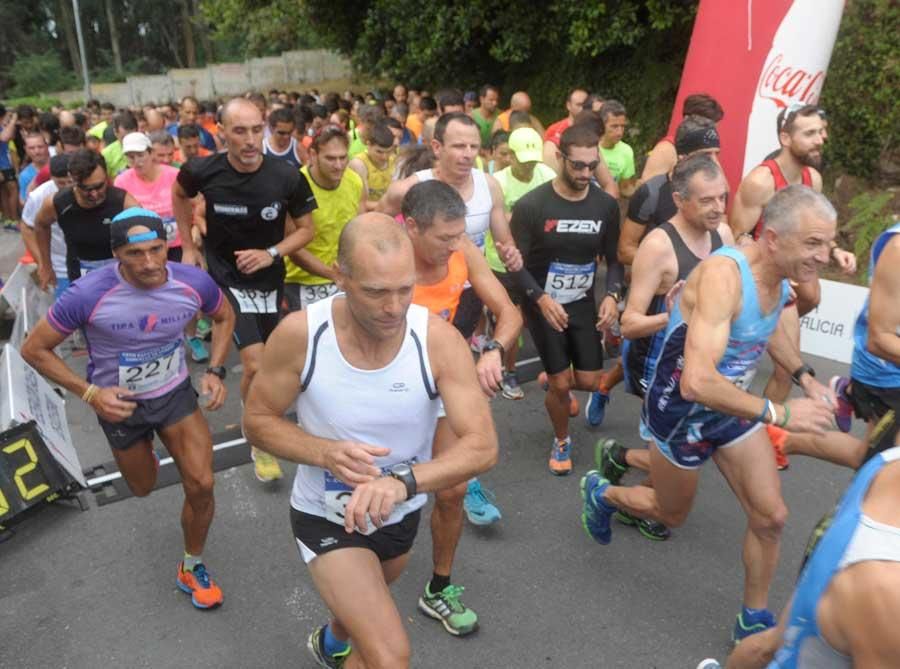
pixel 808 159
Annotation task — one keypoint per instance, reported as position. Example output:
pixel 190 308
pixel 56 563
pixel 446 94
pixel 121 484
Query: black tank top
pixel 642 351
pixel 86 230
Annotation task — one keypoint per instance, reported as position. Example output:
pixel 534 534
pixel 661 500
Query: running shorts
pixel 316 536
pixel 579 345
pixel 881 407
pixel 256 314
pixel 152 415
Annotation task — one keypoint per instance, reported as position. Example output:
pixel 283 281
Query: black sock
pixel 438 583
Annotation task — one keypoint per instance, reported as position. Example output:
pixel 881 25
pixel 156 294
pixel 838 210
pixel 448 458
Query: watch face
pixel 401 470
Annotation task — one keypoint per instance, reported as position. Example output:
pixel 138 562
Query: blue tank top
pixel 804 647
pixel 867 367
pixel 747 341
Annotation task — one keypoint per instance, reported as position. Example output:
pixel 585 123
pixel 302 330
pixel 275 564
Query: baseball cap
pixel 526 144
pixel 127 219
pixel 135 141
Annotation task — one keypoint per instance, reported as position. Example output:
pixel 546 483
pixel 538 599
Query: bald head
pixel 240 107
pixel 367 234
pixel 155 120
pixel 520 101
pixel 66 118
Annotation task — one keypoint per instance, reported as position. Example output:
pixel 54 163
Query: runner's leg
pixel 137 465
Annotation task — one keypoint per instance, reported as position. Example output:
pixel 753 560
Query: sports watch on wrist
pixel 404 473
pixel 272 251
pixel 800 371
pixel 219 371
pixel 494 345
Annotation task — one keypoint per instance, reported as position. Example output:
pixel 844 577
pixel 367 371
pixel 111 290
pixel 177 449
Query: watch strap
pixel 800 371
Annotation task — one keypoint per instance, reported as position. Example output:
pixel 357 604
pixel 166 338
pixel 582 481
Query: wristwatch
pixel 219 371
pixel 800 371
pixel 272 251
pixel 493 345
pixel 404 473
pixel 616 295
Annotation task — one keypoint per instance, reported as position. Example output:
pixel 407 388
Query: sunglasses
pixel 90 189
pixel 792 109
pixel 580 164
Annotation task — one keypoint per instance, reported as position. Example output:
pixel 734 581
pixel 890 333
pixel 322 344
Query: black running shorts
pixel 316 536
pixel 880 406
pixel 151 416
pixel 579 345
pixel 254 315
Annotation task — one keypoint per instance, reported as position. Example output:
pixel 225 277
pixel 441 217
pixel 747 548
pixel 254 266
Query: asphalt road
pixel 97 588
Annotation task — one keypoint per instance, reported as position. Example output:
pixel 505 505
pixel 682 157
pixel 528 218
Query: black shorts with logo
pixel 151 416
pixel 880 406
pixel 252 324
pixel 316 536
pixel 579 345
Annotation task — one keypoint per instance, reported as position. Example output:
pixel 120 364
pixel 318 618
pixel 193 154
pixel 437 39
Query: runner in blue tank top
pixel 697 405
pixel 844 609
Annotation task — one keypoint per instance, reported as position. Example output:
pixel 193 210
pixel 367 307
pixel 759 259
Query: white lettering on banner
pixel 794 71
pixel 827 331
pixel 582 227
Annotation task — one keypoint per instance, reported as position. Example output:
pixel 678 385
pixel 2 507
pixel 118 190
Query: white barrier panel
pixel 33 305
pixel 25 396
pixel 827 331
pixel 12 289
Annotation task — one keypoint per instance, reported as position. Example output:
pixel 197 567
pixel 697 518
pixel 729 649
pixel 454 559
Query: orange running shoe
pixel 205 594
pixel 778 436
pixel 561 457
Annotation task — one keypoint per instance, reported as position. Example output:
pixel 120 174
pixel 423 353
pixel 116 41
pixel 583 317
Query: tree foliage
pixel 860 92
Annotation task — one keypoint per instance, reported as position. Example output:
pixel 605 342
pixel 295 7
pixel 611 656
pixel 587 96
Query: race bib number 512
pixel 569 283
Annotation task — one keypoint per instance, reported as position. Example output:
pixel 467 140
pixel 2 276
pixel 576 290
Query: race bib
pixel 337 495
pixel 253 301
pixel 569 283
pixel 310 294
pixel 146 371
pixel 171 229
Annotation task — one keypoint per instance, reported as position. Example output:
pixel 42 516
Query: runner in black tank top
pixel 664 259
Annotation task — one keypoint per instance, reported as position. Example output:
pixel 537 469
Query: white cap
pixel 136 142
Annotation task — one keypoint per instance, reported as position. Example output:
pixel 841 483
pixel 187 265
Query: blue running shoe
pixel 752 621
pixel 479 505
pixel 561 457
pixel 198 350
pixel 595 409
pixel 595 513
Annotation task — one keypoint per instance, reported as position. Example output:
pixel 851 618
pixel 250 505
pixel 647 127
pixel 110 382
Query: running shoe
pixel 480 504
pixel 778 436
pixel 205 594
pixel 609 455
pixel 843 412
pixel 595 409
pixel 595 513
pixel 709 663
pixel 265 465
pixel 544 383
pixel 446 607
pixel 651 529
pixel 561 457
pixel 478 342
pixel 511 389
pixel 316 645
pixel 203 329
pixel 751 622
pixel 198 350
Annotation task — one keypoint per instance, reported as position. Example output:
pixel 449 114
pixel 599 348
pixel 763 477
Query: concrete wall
pixel 220 79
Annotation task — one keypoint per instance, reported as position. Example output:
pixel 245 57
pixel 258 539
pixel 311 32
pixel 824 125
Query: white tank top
pixel 395 407
pixel 478 207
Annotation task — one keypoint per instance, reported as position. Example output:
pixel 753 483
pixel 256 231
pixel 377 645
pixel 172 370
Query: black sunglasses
pixel 90 189
pixel 580 164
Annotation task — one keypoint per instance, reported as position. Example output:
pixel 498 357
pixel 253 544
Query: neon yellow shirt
pixel 335 209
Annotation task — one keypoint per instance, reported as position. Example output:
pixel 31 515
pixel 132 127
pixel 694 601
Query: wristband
pixel 89 394
pixel 762 415
pixel 787 416
pixel 772 415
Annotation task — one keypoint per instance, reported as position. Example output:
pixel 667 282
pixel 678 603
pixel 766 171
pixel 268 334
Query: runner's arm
pixel 9 129
pixel 605 178
pixel 43 222
pixel 660 160
pixel 38 351
pixel 390 202
pixel 499 222
pixel 359 167
pixel 520 227
pixel 753 193
pixel 183 209
pixel 550 158
pixel 468 412
pixel 313 265
pixel 222 329
pixel 494 295
pixel 708 330
pixel 647 274
pixel 629 240
pixel 298 232
pixel 884 304
pixel 615 270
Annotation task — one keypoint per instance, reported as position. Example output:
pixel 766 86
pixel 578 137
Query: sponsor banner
pixel 827 331
pixel 756 58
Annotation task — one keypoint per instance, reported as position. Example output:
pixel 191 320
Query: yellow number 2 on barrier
pixel 4 505
pixel 26 492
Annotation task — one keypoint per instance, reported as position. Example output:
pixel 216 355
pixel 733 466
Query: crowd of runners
pixel 384 252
